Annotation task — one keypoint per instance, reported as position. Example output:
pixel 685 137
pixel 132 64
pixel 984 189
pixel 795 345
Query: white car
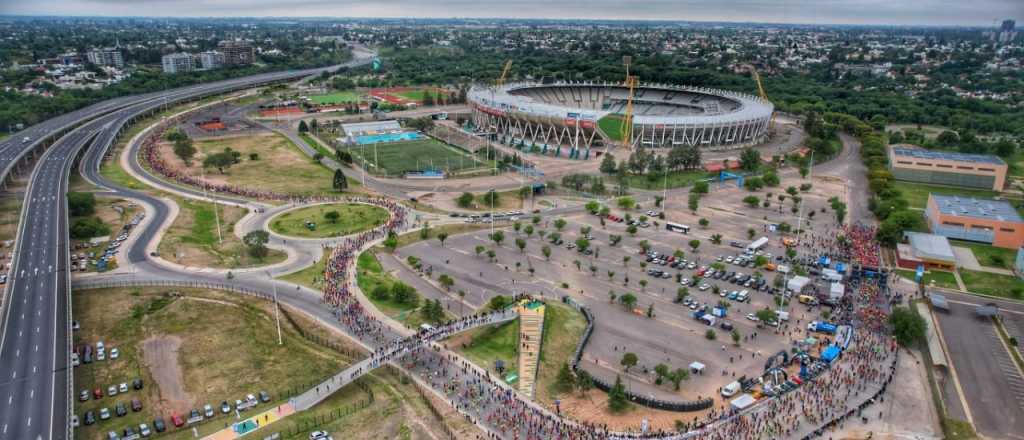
pixel 723 293
pixel 751 317
pixel 144 430
pixel 101 355
pixel 319 435
pixel 208 410
pixel 684 281
pixel 114 353
pixel 123 388
pixel 112 390
pixel 100 346
pixel 693 306
pixel 728 259
pixel 704 287
pixel 74 360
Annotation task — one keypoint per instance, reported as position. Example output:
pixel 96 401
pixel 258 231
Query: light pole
pixel 277 309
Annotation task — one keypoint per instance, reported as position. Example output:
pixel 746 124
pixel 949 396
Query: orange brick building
pixel 983 220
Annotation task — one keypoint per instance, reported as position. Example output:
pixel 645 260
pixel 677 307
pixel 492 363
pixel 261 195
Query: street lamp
pixel 277 309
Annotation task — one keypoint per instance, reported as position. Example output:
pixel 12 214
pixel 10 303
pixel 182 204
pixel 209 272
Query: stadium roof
pixel 918 153
pixel 750 107
pixel 988 209
pixel 931 246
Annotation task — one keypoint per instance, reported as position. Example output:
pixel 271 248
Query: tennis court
pixel 397 158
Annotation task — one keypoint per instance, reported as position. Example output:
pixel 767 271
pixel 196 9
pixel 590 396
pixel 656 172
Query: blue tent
pixel 830 354
pixel 823 261
pixel 841 267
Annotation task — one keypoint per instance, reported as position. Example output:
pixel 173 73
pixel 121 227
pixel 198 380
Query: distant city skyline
pixel 984 13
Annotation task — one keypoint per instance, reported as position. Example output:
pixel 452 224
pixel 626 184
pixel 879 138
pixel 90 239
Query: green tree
pixel 546 250
pixel 185 150
pixel 256 243
pixel 303 128
pixel 617 400
pixel 693 202
pixel 465 200
pixel 521 244
pixel 497 237
pixel 81 204
pixel 608 164
pixel 628 300
pixel 678 376
pixel 491 198
pixel 701 187
pixel 441 237
pixel 564 380
pixel 446 281
pixel 703 222
pixel 752 201
pixel 694 244
pixel 629 360
pixel 626 202
pixel 340 183
pixel 750 159
pixel 332 216
pixel 478 249
pixel 559 224
pixel 907 326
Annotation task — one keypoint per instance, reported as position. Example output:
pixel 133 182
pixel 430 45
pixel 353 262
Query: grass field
pixel 611 125
pixel 452 229
pixel 312 276
pixel 942 279
pixel 353 218
pixel 280 167
pixel 563 328
pixel 334 98
pixel 221 346
pixel 192 239
pixel 394 159
pixel 676 179
pixel 370 275
pixel 989 255
pixel 916 194
pixel 10 209
pixel 993 284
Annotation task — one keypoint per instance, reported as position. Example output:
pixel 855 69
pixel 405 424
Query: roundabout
pixel 327 220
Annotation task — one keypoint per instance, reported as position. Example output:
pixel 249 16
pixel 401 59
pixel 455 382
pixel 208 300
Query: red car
pixel 177 421
pixel 97 393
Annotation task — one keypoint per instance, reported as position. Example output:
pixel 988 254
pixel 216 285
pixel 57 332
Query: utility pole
pixel 277 310
pixel 216 215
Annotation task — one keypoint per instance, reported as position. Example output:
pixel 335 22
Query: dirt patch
pixel 160 354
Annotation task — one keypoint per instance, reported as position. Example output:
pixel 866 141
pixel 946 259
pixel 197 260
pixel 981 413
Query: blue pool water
pixel 387 137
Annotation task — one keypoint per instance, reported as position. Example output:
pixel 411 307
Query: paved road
pixel 993 387
pixel 34 346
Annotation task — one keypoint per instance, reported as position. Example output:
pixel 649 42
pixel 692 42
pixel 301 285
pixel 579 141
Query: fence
pixel 183 284
pixel 679 406
pixel 426 398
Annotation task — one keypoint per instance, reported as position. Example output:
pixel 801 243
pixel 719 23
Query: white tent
pixel 742 402
pixel 697 367
pixel 797 283
pixel 836 291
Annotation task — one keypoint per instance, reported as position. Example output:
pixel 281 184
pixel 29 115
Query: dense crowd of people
pixel 863 248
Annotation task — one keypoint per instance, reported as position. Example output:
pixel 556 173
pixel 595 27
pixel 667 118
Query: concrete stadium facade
pixel 568 114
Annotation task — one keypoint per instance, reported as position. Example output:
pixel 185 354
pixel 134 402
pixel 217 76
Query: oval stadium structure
pixel 581 116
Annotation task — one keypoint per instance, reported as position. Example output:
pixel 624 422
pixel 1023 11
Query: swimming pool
pixel 387 137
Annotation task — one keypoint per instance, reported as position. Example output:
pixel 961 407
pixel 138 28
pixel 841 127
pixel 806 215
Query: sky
pixel 883 12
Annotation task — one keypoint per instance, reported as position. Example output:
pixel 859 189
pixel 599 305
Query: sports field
pixel 611 125
pixel 334 98
pixel 396 158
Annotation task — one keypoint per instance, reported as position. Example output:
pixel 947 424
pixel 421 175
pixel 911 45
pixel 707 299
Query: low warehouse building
pixel 947 168
pixel 928 250
pixel 995 222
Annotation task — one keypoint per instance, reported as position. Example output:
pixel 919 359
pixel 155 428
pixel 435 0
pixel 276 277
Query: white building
pixel 211 60
pixel 178 63
pixel 110 56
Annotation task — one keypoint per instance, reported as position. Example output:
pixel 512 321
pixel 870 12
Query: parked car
pixel 264 397
pixel 83 396
pixel 129 432
pixel 136 405
pixel 111 435
pixel 177 421
pixel 89 418
pixel 225 407
pixel 318 435
pixel 104 413
pixel 158 425
pixel 114 353
pixel 97 393
pixel 144 430
pixel 137 384
pixel 120 409
pixel 112 390
pixel 208 410
pixel 123 388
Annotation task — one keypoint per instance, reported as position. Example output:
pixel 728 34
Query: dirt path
pixel 160 354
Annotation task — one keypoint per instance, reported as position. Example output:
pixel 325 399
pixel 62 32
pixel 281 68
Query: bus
pixel 676 227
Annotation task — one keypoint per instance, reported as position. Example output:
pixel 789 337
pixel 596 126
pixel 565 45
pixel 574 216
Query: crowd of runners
pixel 819 404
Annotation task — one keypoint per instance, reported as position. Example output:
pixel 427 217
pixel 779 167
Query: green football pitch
pixel 335 98
pixel 396 158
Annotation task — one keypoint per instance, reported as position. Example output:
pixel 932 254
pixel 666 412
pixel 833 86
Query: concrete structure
pixel 567 114
pixel 367 128
pixel 211 60
pixel 110 56
pixel 178 63
pixel 237 52
pixel 946 168
pixel 987 221
pixel 928 250
pixel 1018 264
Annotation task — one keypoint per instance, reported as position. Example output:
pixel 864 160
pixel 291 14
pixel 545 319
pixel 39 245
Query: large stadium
pixel 584 116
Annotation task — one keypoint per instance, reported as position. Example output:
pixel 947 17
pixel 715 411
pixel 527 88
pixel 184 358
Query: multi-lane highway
pixel 35 343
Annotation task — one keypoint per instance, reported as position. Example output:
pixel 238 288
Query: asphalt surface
pixel 35 343
pixel 992 385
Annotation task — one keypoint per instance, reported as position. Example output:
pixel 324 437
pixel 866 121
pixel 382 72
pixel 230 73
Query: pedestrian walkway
pixel 531 332
pixel 239 429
